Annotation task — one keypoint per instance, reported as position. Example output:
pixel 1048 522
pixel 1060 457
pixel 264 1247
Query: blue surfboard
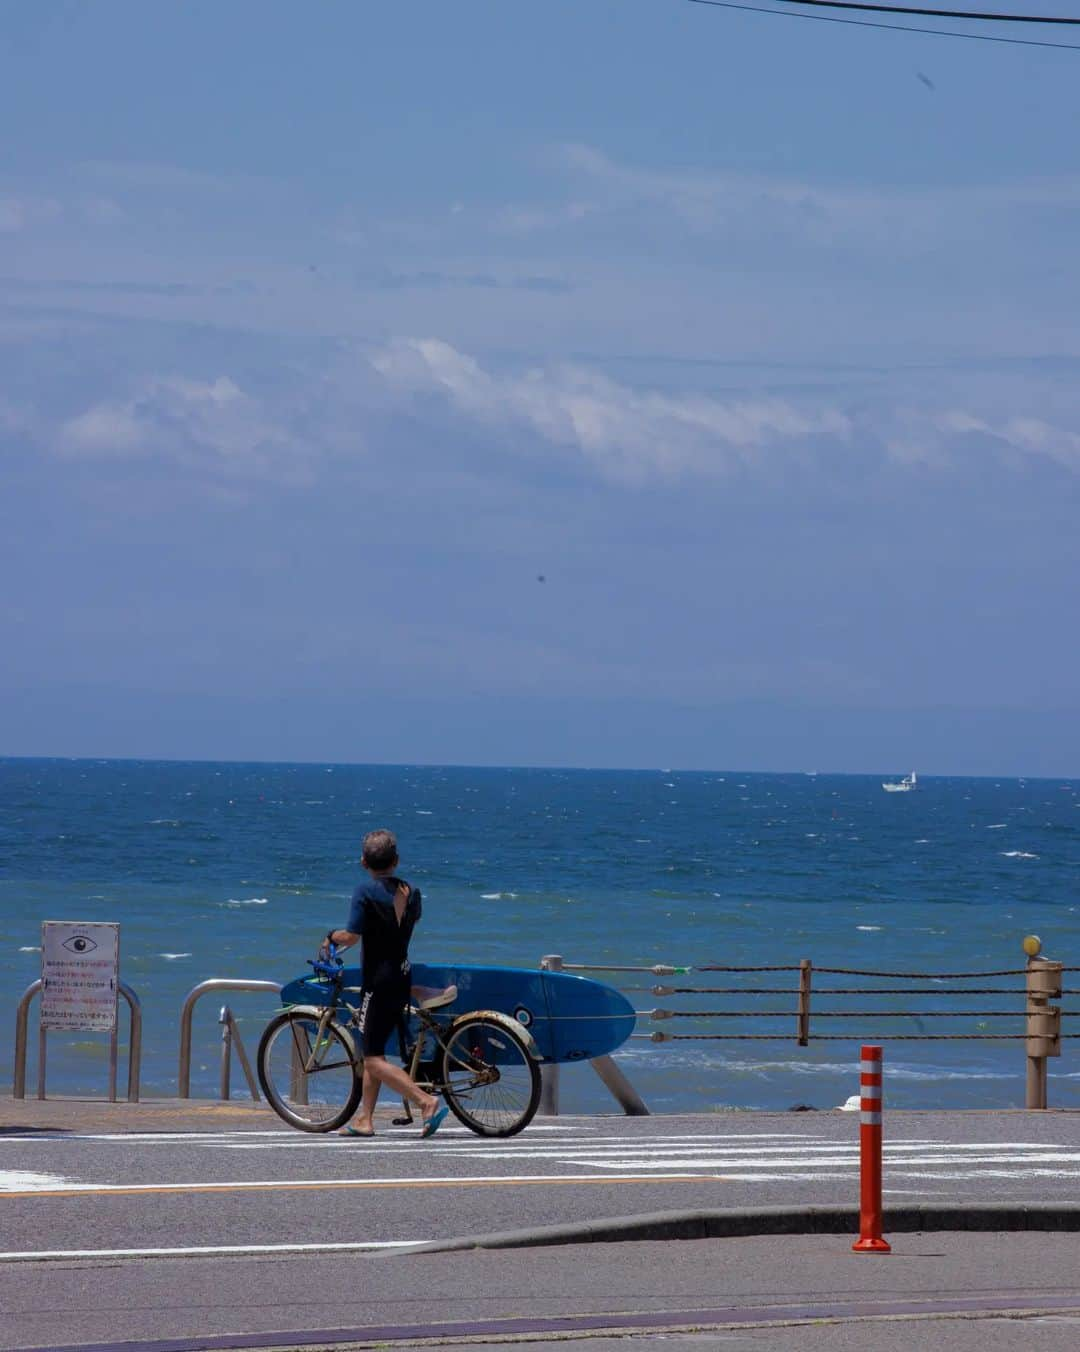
pixel 571 1018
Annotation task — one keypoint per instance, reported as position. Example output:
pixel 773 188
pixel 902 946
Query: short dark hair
pixel 380 850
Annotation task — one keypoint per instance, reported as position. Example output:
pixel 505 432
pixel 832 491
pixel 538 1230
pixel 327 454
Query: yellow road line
pixel 156 1189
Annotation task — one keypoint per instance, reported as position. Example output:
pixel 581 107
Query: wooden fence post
pixel 803 1023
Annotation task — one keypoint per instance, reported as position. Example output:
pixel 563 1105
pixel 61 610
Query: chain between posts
pixel 1042 1033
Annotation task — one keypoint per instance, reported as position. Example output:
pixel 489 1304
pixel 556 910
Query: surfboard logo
pixel 523 1016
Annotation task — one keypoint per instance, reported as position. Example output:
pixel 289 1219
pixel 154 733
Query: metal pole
pixel 114 1054
pixel 620 1088
pixel 187 1009
pixel 134 1041
pixel 22 1017
pixel 549 1074
pixel 40 1061
pixel 238 1043
pixel 226 1052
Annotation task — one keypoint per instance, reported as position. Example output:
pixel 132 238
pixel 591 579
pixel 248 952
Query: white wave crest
pixel 247 901
pixel 498 896
pixel 30 948
pixel 997 826
pixel 165 821
pixel 868 928
pixel 172 957
pixel 1017 854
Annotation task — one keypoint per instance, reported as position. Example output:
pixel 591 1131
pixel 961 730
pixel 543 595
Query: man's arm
pixel 343 938
pixel 350 934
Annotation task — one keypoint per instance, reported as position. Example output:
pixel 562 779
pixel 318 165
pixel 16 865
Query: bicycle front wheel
pixel 489 1080
pixel 311 1079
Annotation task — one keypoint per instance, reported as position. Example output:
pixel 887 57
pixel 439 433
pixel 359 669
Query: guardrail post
pixel 22 1018
pixel 224 1018
pixel 42 1046
pixel 549 1074
pixel 245 1064
pixel 183 1075
pixel 134 1041
pixel 1042 1021
pixel 870 1100
pixel 803 1021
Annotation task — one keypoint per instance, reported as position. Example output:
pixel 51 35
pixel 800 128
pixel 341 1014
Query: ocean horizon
pixel 235 869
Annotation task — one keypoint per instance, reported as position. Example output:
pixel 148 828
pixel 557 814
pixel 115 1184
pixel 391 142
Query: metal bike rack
pixel 22 1017
pixel 230 1037
pixel 186 1012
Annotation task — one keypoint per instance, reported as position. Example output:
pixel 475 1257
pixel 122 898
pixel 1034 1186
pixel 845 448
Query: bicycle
pixel 311 1067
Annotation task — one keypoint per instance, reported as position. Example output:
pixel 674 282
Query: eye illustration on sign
pixel 80 943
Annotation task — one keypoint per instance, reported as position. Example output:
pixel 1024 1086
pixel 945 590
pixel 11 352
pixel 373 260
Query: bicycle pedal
pixel 401 1121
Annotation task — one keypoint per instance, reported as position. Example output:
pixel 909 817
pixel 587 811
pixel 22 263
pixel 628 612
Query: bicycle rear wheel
pixel 489 1080
pixel 312 1081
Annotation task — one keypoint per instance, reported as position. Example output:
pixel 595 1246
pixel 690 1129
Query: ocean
pixel 237 870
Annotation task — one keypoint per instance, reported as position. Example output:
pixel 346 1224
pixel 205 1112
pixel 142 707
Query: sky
pixel 589 382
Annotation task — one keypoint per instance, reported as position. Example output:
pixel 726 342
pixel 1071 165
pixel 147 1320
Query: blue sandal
pixel 351 1131
pixel 433 1123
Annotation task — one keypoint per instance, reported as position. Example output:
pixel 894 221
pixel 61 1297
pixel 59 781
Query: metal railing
pixel 230 1037
pixel 192 998
pixel 1038 1017
pixel 22 1017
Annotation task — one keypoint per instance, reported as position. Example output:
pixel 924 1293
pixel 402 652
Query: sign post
pixel 80 978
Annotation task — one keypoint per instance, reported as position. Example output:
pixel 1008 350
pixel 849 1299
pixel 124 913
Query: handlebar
pixel 331 967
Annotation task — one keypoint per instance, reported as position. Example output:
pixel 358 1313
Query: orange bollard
pixel 870 1240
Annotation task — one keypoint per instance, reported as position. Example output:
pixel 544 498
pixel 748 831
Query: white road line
pixel 22 1180
pixel 303 1184
pixel 235 1250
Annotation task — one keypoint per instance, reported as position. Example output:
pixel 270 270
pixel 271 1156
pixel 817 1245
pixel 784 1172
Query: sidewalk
pixel 76 1114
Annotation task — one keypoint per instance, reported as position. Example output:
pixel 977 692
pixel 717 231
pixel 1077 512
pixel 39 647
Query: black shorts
pixel 381 1011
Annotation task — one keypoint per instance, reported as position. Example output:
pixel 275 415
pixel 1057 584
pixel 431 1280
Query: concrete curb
pixel 769 1220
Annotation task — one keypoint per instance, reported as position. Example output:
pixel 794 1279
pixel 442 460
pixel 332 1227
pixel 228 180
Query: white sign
pixel 80 969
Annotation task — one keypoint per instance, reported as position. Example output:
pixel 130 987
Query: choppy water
pixel 237 870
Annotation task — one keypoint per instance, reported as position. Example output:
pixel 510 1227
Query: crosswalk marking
pixel 566 1151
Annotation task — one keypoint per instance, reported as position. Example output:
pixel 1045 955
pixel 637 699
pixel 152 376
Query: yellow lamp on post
pixel 1032 945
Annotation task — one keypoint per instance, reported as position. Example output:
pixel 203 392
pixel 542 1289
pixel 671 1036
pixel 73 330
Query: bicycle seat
pixel 429 997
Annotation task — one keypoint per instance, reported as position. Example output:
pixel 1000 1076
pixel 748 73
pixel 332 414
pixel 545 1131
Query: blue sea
pixel 237 870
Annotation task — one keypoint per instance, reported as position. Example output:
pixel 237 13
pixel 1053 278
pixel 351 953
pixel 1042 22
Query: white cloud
pixel 626 433
pixel 210 425
pixel 105 429
pixel 944 437
pixel 866 218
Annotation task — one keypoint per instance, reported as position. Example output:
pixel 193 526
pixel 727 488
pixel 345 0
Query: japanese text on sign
pixel 79 975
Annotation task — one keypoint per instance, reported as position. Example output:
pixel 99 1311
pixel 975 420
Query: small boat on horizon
pixel 904 785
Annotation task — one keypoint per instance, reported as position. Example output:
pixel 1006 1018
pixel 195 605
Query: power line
pixel 940 13
pixel 891 27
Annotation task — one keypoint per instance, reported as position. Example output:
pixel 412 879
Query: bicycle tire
pixel 328 1095
pixel 489 1080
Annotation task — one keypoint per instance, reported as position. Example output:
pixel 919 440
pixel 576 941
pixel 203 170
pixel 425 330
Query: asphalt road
pixel 739 1290
pixel 106 1220
pixel 259 1183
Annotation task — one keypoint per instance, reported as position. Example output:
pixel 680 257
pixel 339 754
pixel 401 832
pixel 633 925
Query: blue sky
pixel 326 332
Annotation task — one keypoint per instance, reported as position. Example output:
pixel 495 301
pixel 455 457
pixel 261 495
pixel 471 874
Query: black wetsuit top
pixel 385 961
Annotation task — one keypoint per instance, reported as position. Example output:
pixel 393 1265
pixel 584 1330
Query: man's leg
pixel 364 1121
pixel 387 1073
